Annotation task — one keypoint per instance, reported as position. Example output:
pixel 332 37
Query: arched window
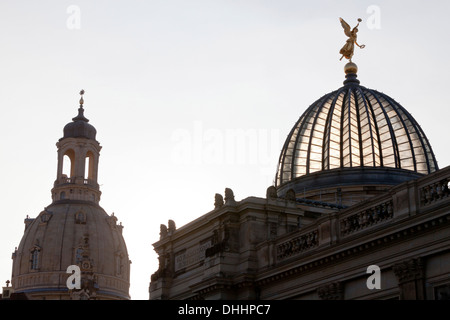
pixel 119 263
pixel 35 253
pixel 62 195
pixel 68 167
pixel 89 166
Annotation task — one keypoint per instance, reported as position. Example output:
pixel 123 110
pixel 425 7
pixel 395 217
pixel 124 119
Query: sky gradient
pixel 192 97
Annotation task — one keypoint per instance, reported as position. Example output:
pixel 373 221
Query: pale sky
pixel 192 97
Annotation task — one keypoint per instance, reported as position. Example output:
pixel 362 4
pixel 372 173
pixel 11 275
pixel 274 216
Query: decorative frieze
pixel 367 218
pixel 434 192
pixel 297 245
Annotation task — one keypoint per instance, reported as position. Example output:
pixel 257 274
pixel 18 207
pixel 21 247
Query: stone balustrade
pixel 87 182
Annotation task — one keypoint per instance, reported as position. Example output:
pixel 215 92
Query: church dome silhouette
pixel 74 230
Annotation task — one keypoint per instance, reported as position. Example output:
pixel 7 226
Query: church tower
pixel 74 231
pixel 82 151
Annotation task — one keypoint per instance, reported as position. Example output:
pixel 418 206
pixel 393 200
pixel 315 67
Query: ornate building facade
pixel 74 230
pixel 359 210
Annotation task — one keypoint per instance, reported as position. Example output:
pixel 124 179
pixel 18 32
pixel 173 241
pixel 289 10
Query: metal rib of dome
pixel 354 127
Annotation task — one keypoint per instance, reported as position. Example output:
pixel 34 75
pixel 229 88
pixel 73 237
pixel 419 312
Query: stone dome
pixel 354 135
pixel 72 233
pixel 80 128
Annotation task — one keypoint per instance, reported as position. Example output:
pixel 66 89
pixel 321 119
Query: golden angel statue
pixel 349 47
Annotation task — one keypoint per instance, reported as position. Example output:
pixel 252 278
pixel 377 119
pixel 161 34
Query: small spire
pixel 81 99
pixel 80 115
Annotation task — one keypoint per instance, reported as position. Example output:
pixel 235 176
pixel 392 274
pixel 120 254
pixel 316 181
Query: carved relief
pixel 82 254
pixel 89 288
pixel 367 218
pixel 45 217
pixel 89 281
pixel 297 245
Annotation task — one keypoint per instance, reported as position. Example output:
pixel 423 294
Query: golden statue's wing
pixel 346 27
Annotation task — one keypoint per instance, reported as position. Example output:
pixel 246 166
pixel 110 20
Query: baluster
pixel 439 189
pixel 427 191
pixel 390 210
pixel 434 188
pixel 383 211
pixel 445 190
pixel 346 226
pixel 377 213
pixel 360 220
pixel 423 198
pixel 364 218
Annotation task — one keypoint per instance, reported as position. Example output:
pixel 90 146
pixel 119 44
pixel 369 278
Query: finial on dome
pixel 351 70
pixel 80 115
pixel 81 99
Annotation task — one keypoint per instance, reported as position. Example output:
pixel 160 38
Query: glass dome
pixel 354 127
